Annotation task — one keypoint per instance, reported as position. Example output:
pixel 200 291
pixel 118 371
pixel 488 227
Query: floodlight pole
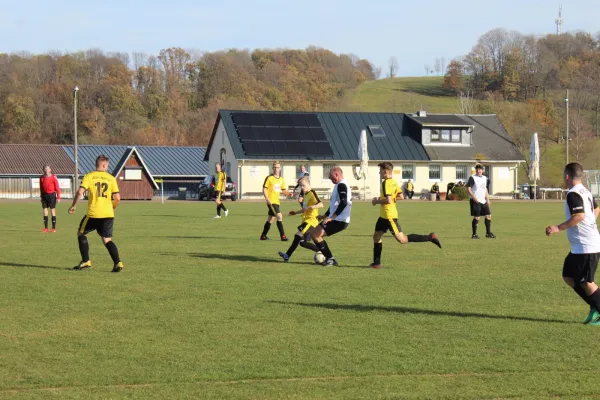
pixel 567 101
pixel 76 185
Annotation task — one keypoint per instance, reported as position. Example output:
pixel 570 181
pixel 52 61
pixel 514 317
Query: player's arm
pixel 116 199
pixel 266 190
pixel 76 198
pixel 57 188
pixel 470 184
pixel 284 190
pixel 596 209
pixel 343 195
pixel 575 204
pixel 387 197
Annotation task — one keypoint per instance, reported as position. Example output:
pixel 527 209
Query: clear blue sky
pixel 416 32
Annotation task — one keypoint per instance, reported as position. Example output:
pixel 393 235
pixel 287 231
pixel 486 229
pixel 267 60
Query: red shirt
pixel 49 185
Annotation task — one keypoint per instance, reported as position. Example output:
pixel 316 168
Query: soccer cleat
pixel 330 261
pixel 226 212
pixel 118 267
pixel 591 316
pixel 217 217
pixel 284 238
pixel 53 230
pixel 285 257
pixel 490 235
pixel 596 321
pixel 83 265
pixel 435 240
pixel 263 237
pixel 376 266
pixel 474 237
pixel 45 230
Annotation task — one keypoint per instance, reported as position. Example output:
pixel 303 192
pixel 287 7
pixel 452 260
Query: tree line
pixel 167 99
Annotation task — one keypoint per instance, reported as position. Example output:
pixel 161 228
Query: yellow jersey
pixel 409 186
pixel 221 179
pixel 274 187
pixel 310 216
pixel 389 187
pixel 100 187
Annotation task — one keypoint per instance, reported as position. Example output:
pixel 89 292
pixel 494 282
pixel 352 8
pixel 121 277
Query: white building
pixel 423 148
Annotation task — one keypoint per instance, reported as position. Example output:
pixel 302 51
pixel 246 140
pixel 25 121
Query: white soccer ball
pixel 319 258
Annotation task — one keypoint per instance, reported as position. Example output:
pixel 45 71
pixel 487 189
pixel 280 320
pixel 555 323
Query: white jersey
pixel 478 185
pixel 342 188
pixel 584 236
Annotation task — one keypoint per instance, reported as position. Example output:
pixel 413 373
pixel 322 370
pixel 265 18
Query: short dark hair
pixel 479 166
pixel 101 158
pixel 386 165
pixel 574 170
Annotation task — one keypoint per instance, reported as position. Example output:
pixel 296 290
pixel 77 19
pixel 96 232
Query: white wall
pixel 221 141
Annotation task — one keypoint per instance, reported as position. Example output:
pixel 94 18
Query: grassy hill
pixel 402 95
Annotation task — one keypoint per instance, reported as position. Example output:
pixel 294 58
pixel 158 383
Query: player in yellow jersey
pixel 273 186
pixel 220 184
pixel 388 215
pixel 310 211
pixel 103 197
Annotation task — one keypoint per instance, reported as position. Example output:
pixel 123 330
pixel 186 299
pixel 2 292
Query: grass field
pixel 203 309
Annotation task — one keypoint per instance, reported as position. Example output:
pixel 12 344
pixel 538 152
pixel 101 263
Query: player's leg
pixel 85 226
pixel 105 231
pixel 318 237
pixel 396 230
pixel 476 214
pixel 573 275
pixel 225 210
pixel 280 223
pixel 306 240
pixel 270 219
pixel 377 247
pixel 53 211
pixel 298 237
pixel 218 203
pixel 45 210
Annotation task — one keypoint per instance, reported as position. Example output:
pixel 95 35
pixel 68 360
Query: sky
pixel 415 32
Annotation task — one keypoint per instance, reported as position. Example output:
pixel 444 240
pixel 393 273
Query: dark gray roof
pixel 160 160
pixel 29 159
pixel 440 120
pixel 343 132
pixel 490 142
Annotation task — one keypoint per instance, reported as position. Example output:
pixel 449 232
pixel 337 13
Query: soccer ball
pixel 319 258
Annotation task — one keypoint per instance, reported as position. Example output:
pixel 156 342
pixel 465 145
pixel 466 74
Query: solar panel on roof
pixel 245 133
pixel 250 147
pixel 274 133
pixel 318 134
pixel 247 119
pixel 279 147
pixel 289 133
pixel 260 133
pixel 312 120
pixel 323 149
pixel 265 147
pixel 283 120
pixel 298 119
pixel 270 119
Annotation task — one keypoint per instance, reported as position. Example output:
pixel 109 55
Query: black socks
pixel 377 248
pixel 113 251
pixel 53 222
pixel 84 248
pixel 266 228
pixel 280 227
pixel 46 222
pixel 474 226
pixel 418 238
pixel 488 226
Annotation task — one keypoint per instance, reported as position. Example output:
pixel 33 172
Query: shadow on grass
pixel 227 257
pixel 410 310
pixel 9 264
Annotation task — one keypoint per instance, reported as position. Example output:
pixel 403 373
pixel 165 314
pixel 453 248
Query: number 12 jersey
pixel 100 187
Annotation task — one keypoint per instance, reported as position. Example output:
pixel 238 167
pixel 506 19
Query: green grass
pixel 402 95
pixel 203 309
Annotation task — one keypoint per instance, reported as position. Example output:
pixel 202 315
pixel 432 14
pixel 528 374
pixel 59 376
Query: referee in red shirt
pixel 50 195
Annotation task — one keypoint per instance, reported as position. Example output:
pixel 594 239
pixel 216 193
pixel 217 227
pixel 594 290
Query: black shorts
pixel 581 267
pixel 384 225
pixel 273 210
pixel 104 226
pixel 218 194
pixel 304 227
pixel 478 209
pixel 333 227
pixel 49 200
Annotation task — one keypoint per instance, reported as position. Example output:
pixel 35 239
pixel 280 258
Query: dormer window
pixel 444 135
pixel 376 130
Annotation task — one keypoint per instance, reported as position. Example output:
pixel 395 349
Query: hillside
pixel 413 93
pixel 401 95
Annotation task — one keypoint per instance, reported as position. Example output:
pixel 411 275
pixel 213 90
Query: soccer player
pixel 337 216
pixel 388 215
pixel 410 189
pixel 221 183
pixel 310 212
pixel 272 187
pixel 582 261
pixel 480 202
pixel 50 195
pixel 303 173
pixel 103 197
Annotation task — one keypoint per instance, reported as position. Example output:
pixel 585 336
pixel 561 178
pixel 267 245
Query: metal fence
pixel 170 189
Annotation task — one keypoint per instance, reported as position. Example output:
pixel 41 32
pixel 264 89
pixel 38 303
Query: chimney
pixel 421 113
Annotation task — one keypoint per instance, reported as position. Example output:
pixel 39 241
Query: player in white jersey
pixel 337 217
pixel 580 265
pixel 480 202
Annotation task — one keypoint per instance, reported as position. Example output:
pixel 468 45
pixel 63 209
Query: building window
pixel 376 131
pixel 446 135
pixel 462 172
pixel 222 157
pixel 435 172
pixel 408 171
pixel 327 170
pixel 133 174
pixel 299 170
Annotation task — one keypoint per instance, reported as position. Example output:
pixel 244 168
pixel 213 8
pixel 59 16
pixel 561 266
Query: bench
pixel 544 190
